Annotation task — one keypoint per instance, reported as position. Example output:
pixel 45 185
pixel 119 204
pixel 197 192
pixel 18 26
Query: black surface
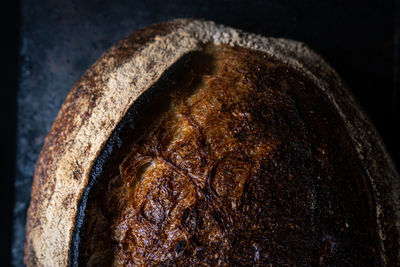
pixel 61 39
pixel 8 107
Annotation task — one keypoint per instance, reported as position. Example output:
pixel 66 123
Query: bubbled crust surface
pixel 253 167
pixel 70 148
pixel 100 99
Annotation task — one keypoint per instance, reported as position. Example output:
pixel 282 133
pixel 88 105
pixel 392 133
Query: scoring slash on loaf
pixel 194 143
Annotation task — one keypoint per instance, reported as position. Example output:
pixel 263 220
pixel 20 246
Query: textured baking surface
pixel 102 96
pixel 248 169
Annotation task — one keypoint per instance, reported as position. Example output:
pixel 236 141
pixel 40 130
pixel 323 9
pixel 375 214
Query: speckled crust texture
pixel 102 96
pixel 246 170
pixel 92 109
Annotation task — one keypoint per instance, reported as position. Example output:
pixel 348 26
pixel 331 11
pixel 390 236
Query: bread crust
pixel 101 97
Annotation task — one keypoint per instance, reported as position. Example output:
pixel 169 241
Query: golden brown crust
pixel 100 99
pixel 74 114
pixel 252 165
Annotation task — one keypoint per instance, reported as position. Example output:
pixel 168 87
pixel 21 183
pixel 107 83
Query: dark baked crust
pixel 254 167
pixel 78 143
pixel 80 102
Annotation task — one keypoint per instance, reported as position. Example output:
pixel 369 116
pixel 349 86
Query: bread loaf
pixel 191 143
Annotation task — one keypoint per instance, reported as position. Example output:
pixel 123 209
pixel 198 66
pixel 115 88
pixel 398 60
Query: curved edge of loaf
pixel 101 97
pixel 80 129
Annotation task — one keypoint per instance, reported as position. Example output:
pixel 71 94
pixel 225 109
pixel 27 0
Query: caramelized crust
pixel 246 163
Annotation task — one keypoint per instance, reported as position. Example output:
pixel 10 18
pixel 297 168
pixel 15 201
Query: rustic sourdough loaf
pixel 194 143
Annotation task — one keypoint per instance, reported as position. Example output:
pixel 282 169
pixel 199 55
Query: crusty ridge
pixel 248 158
pixel 101 97
pixel 64 163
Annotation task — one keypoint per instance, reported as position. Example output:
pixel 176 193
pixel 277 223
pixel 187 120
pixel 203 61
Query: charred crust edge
pixel 54 143
pixel 114 142
pixel 380 168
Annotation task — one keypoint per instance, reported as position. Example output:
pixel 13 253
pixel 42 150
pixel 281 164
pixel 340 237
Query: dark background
pixel 48 44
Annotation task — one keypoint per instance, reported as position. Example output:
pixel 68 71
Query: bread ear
pixel 101 97
pixel 92 109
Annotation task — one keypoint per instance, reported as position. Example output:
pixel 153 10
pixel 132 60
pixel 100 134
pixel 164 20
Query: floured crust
pixel 100 99
pixel 245 165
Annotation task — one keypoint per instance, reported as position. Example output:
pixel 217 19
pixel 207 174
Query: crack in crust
pixel 73 116
pixel 244 166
